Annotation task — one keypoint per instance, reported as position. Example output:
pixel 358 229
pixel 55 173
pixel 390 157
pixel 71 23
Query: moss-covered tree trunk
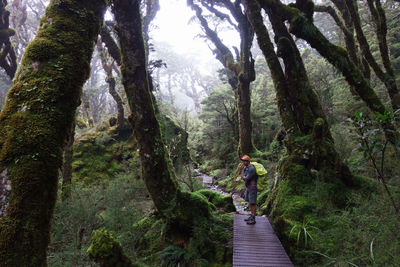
pixel 245 125
pixel 111 45
pixel 181 210
pixel 36 121
pixel 379 19
pixel 67 166
pixel 156 168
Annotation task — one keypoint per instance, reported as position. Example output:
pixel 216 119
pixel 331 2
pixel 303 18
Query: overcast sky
pixel 171 26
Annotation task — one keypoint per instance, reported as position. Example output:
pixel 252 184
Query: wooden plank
pixel 257 245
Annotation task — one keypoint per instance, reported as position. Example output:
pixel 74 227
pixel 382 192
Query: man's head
pixel 246 160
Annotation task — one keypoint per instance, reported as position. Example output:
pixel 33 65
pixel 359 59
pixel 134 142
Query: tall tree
pixel 157 171
pixel 241 70
pixel 36 122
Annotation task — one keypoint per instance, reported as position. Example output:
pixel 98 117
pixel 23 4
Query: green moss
pixel 80 123
pixel 6 33
pixel 297 206
pixel 36 121
pixel 106 251
pixel 78 164
pixel 102 244
pixel 150 236
pixel 99 157
pixel 220 201
pixel 191 206
pixel 42 49
pixel 229 185
pixel 208 241
pixel 262 197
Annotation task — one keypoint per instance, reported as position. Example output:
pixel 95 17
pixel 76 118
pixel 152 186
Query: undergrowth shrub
pixel 366 233
pixel 115 206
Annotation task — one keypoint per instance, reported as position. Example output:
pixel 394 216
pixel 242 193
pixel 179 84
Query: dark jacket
pixel 250 175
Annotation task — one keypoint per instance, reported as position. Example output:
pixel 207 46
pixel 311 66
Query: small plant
pixel 333 261
pixel 302 231
pixel 172 256
pixel 372 143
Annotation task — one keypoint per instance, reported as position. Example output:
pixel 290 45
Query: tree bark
pixel 156 169
pixel 67 166
pixel 278 76
pixel 36 121
pixel 181 210
pixel 387 77
pixel 111 45
pixel 111 86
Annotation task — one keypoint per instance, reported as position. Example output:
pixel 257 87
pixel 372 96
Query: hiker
pixel 250 178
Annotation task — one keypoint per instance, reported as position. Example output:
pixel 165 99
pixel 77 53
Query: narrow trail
pixel 253 245
pixel 208 183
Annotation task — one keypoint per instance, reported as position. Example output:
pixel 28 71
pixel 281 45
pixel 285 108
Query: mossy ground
pixel 100 155
pixel 200 229
pixel 115 206
pixel 209 243
pixel 104 151
pixel 106 251
pixel 196 238
pixel 219 201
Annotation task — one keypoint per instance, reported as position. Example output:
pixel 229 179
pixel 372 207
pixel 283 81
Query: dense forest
pixel 107 131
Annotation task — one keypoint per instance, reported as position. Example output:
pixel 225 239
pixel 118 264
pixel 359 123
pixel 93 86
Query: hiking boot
pixel 248 219
pixel 251 221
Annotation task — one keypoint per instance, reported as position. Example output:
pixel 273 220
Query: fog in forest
pixel 144 132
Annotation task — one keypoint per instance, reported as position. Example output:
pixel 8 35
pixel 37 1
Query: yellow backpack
pixel 260 170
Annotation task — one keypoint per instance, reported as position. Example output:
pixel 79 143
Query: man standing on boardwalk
pixel 250 178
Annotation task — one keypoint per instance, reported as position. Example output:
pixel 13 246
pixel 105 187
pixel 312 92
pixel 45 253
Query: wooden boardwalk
pixel 257 245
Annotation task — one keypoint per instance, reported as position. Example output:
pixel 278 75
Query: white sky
pixel 172 27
